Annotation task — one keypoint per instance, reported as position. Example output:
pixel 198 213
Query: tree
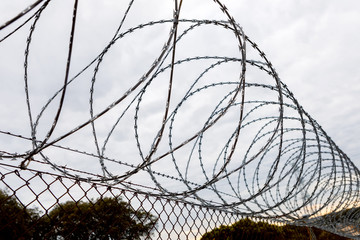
pixel 247 229
pixel 105 218
pixel 15 220
pixel 108 218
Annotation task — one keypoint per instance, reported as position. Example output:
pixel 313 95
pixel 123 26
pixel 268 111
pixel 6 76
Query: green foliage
pixel 246 229
pixel 15 221
pixel 106 218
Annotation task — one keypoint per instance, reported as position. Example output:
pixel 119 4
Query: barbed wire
pixel 229 134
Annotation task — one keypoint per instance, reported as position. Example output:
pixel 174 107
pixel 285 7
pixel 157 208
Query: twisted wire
pixel 252 148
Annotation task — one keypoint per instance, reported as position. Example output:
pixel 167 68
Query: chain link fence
pixel 46 191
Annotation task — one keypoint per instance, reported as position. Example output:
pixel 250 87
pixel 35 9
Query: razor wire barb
pixel 228 135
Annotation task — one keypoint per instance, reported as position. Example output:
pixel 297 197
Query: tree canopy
pixel 105 218
pixel 246 229
pixel 15 221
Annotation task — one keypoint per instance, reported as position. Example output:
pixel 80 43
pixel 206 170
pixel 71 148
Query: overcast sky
pixel 313 45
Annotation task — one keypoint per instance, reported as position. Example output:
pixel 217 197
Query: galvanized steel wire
pixel 235 137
